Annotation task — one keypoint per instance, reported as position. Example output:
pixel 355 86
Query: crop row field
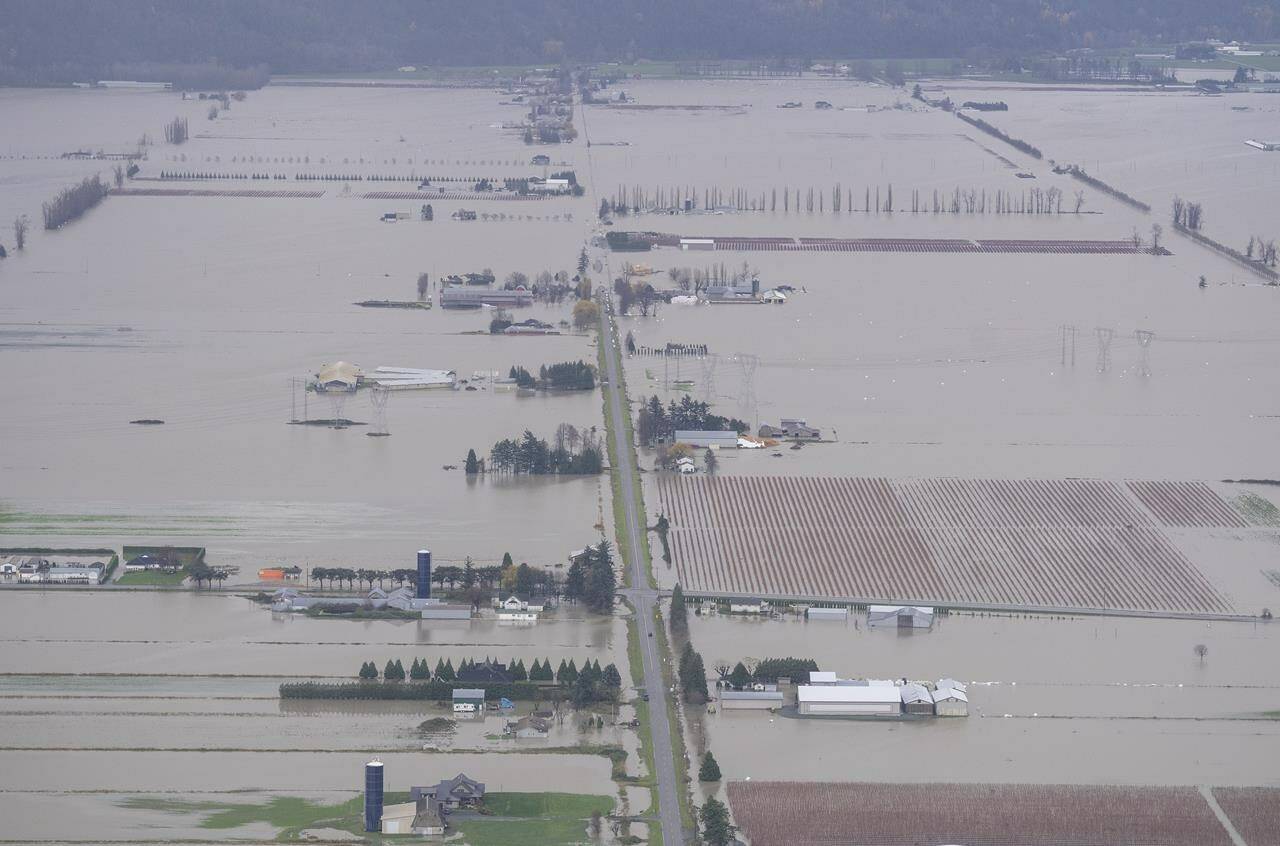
pixel 1033 543
pixel 826 814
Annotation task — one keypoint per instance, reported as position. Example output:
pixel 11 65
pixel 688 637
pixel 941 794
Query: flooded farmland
pixel 1128 698
pixel 1002 370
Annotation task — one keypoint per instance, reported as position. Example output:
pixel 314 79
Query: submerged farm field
pixel 773 813
pixel 1060 544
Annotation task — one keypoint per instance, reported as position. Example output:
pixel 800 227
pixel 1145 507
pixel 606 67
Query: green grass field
pixel 152 577
pixel 531 819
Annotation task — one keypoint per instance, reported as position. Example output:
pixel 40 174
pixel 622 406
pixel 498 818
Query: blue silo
pixel 424 574
pixel 373 795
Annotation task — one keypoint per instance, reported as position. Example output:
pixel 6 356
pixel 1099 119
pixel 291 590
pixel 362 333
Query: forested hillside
pixel 50 40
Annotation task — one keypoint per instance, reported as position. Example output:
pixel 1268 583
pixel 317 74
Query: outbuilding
pixel 901 616
pixel 847 700
pixel 718 439
pixel 468 700
pixel 750 700
pixel 835 614
pixel 950 699
pixel 916 699
pixel 446 612
pixel 697 244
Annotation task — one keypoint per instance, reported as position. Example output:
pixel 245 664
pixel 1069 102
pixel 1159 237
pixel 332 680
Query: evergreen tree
pixel 524 579
pixel 446 672
pixel 740 677
pixel 679 612
pixel 506 560
pixel 582 693
pixel 716 830
pixel 520 673
pixel 472 465
pixel 710 770
pixel 612 677
pixel 568 673
pixel 368 671
pixel 575 581
pixel 601 581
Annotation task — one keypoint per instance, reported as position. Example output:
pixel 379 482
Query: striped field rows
pixel 1069 543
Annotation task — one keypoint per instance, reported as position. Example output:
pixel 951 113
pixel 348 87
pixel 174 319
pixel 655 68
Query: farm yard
pixel 813 814
pixel 1023 544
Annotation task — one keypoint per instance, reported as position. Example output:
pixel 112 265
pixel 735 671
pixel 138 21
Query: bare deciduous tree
pixel 1201 650
pixel 20 224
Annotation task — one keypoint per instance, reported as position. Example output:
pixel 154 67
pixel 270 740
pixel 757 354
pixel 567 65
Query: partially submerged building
pixel 710 439
pixel 468 700
pixel 847 700
pixel 791 428
pixel 951 698
pixel 916 699
pixel 750 700
pixel 900 616
pixel 468 297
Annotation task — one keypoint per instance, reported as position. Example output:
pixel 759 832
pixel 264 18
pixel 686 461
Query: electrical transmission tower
pixel 1145 337
pixel 747 395
pixel 1105 337
pixel 378 396
pixel 709 363
pixel 1068 344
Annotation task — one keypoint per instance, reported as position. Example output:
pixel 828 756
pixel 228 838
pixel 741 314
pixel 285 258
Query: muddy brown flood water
pixel 200 310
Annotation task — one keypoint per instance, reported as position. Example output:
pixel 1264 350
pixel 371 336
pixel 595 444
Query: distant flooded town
pixel 494 525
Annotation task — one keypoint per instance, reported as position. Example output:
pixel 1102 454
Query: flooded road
pixel 201 311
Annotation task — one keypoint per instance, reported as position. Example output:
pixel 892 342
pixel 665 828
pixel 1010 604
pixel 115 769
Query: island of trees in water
pixel 564 376
pixel 572 452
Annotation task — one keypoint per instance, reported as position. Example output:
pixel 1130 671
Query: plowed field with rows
pixel 822 814
pixel 1065 543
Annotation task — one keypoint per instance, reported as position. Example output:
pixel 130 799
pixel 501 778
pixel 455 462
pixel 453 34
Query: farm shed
pixel 697 244
pixel 446 612
pixel 750 700
pixel 916 699
pixel 838 614
pixel 950 702
pixel 823 677
pixel 901 616
pixel 711 439
pixel 468 700
pixel 841 700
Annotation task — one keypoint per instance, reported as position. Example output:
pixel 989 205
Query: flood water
pixel 1072 700
pixel 201 311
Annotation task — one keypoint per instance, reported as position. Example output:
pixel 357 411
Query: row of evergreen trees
pixel 657 421
pixel 563 376
pixel 531 455
pixel 567 674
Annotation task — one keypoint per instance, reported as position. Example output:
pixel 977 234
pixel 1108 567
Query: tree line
pixel 66 40
pixel 70 203
pixel 656 421
pixel 533 456
pixel 540 671
pixel 563 376
pixel 522 579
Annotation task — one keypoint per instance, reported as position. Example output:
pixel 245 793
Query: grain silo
pixel 373 795
pixel 424 575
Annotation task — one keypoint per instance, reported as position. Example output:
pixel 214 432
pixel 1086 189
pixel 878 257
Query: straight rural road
pixel 644 598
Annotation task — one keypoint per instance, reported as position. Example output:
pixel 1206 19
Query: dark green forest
pixel 60 40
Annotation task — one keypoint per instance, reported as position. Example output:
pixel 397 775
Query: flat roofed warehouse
pixel 842 700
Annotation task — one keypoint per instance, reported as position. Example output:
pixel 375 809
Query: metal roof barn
pixel 839 700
